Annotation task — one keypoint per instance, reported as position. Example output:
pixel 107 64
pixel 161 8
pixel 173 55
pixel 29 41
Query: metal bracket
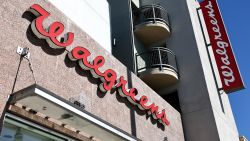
pixel 77 103
pixel 23 52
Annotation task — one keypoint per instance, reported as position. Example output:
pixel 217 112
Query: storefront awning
pixel 51 105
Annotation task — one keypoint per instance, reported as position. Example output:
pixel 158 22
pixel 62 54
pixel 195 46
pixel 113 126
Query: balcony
pixel 152 25
pixel 157 67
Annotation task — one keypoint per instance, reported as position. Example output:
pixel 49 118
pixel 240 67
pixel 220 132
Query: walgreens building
pixel 112 70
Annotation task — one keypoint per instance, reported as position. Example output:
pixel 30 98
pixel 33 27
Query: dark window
pixel 173 100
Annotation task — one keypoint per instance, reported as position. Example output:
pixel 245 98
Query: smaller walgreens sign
pixel 109 77
pixel 223 53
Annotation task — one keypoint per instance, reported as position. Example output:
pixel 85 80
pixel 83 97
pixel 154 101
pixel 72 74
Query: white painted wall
pixel 136 2
pixel 225 121
pixel 92 16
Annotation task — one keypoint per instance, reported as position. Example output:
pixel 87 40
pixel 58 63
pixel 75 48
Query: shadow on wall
pixel 70 64
pixel 36 41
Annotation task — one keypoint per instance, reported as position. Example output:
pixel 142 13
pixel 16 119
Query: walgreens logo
pixel 109 77
pixel 223 53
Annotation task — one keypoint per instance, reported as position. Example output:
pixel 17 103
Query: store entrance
pixel 16 129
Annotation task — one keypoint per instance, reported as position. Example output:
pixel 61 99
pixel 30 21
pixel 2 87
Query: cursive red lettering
pixel 143 100
pixel 124 93
pixel 55 29
pixel 81 54
pixel 109 80
pixel 164 118
pixel 95 65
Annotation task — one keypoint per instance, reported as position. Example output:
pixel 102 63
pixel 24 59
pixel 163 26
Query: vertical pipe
pixel 159 52
pixel 153 12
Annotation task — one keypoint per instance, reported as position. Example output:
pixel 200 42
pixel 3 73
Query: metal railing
pixel 157 57
pixel 153 13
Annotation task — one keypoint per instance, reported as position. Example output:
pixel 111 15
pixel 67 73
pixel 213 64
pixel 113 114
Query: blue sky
pixel 236 15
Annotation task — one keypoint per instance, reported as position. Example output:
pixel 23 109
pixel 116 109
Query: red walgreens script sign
pixel 109 77
pixel 225 60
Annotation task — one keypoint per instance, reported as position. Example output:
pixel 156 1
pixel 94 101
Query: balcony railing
pixel 153 13
pixel 157 67
pixel 157 57
pixel 152 25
